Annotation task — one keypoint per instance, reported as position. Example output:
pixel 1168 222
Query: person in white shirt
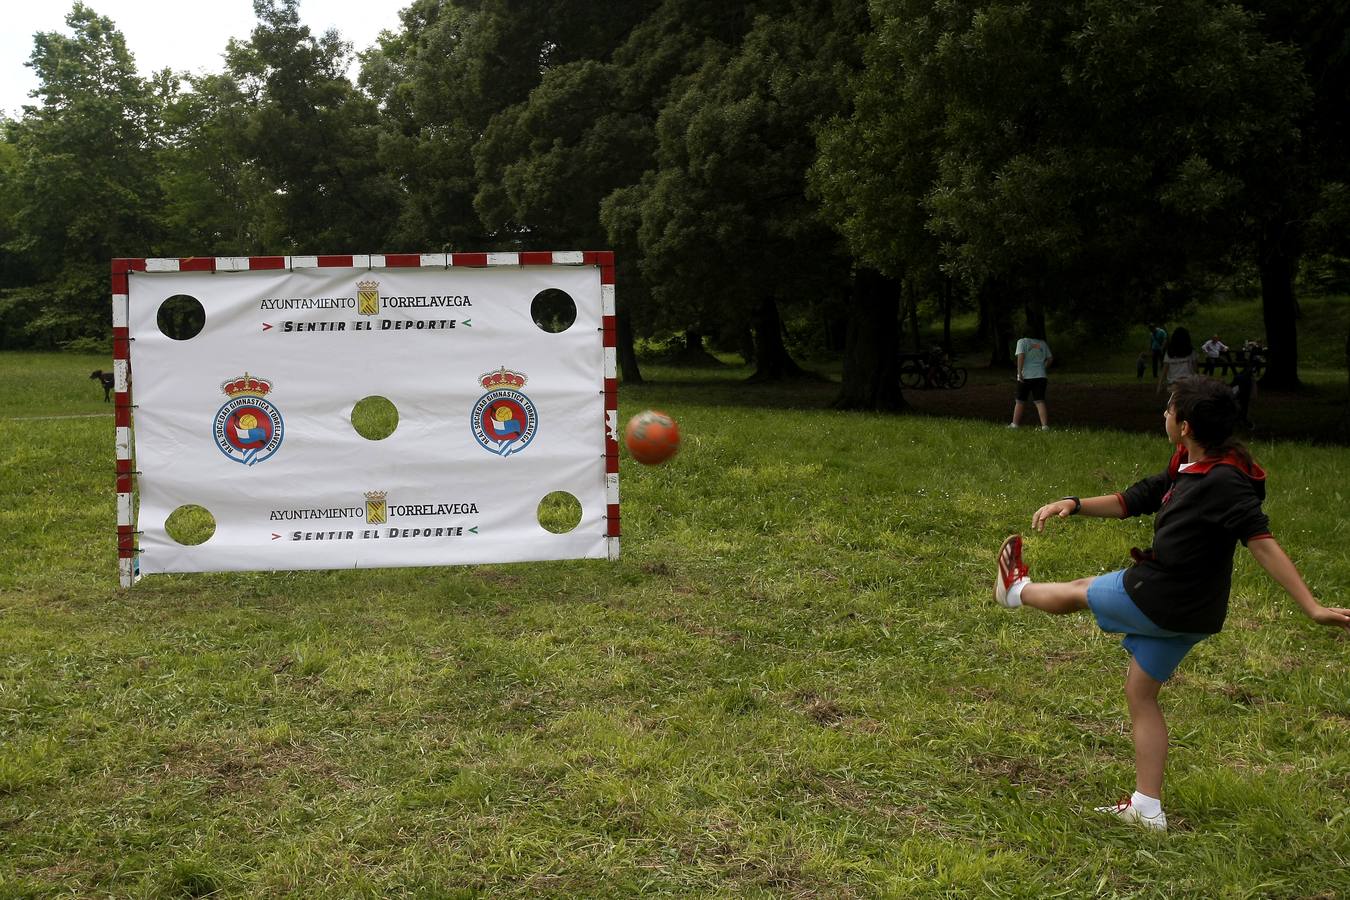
pixel 1033 355
pixel 1214 350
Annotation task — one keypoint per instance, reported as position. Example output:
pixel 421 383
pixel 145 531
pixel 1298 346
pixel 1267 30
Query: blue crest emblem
pixel 504 420
pixel 248 428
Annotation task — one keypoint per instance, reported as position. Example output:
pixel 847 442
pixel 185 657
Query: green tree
pixel 1085 159
pixel 428 82
pixel 217 200
pixel 310 134
pixel 81 182
pixel 727 231
pixel 441 80
pixel 1298 191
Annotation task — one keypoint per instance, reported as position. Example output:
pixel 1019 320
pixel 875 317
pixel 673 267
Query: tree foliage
pixel 1093 160
pixel 1091 157
pixel 80 182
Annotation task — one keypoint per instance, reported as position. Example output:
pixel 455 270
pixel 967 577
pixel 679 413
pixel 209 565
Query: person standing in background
pixel 1214 350
pixel 1157 341
pixel 1180 360
pixel 1033 355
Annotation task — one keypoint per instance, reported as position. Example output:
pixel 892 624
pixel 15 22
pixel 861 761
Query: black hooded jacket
pixel 1182 582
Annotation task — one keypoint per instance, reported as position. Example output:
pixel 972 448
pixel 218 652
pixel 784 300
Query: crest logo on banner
pixel 248 428
pixel 368 298
pixel 377 512
pixel 504 419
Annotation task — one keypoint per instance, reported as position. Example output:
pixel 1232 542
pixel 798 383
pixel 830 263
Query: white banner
pixel 251 419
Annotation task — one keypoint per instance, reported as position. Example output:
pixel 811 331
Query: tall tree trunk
pixel 628 362
pixel 746 339
pixel 1345 414
pixel 1035 311
pixel 912 307
pixel 1278 261
pixel 999 321
pixel 772 362
pixel 872 346
pixel 947 316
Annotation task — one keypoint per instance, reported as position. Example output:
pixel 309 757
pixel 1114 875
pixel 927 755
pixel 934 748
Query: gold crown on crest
pixel 247 385
pixel 502 378
pixel 376 496
pixel 368 285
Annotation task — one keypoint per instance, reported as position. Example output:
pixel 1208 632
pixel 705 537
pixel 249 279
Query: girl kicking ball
pixel 1176 593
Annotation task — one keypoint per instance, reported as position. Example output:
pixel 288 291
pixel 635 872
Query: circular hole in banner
pixel 190 525
pixel 553 310
pixel 181 317
pixel 559 512
pixel 374 418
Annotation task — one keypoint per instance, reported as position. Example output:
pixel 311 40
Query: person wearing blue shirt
pixel 1033 355
pixel 1157 343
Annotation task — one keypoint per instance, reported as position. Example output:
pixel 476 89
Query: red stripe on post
pixel 124 467
pixel 402 260
pixel 256 263
pixel 122 411
pixel 606 274
pixel 468 259
pixel 612 523
pixel 604 257
pixel 126 542
pixel 122 266
pixel 535 258
pixel 340 261
pixel 121 343
pixel 124 484
pixel 119 283
pixel 612 394
pixel 610 338
pixel 197 264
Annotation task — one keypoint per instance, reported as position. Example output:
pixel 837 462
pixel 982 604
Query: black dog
pixel 105 379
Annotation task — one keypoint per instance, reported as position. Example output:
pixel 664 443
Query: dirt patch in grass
pixel 783 874
pixel 498 578
pixel 821 710
pixel 1026 773
pixel 1313 414
pixel 230 769
pixel 858 799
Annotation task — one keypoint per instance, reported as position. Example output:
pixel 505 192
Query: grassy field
pixel 793 683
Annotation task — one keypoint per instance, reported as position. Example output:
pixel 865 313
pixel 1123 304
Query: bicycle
pixel 930 370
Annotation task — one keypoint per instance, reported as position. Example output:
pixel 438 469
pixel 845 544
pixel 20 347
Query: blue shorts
pixel 1157 650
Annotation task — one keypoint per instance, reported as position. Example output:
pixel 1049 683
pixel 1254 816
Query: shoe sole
pixel 998 575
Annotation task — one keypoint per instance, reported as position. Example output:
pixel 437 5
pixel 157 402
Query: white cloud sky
pixel 186 35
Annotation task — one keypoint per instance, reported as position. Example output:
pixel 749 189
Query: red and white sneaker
pixel 1126 811
pixel 1010 571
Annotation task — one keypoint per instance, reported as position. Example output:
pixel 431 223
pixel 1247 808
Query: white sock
pixel 1149 807
pixel 1015 591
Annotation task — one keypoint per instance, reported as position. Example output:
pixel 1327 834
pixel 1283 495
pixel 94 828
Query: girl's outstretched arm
pixel 1275 561
pixel 1108 506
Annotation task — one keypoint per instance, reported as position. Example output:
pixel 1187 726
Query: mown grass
pixel 793 683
